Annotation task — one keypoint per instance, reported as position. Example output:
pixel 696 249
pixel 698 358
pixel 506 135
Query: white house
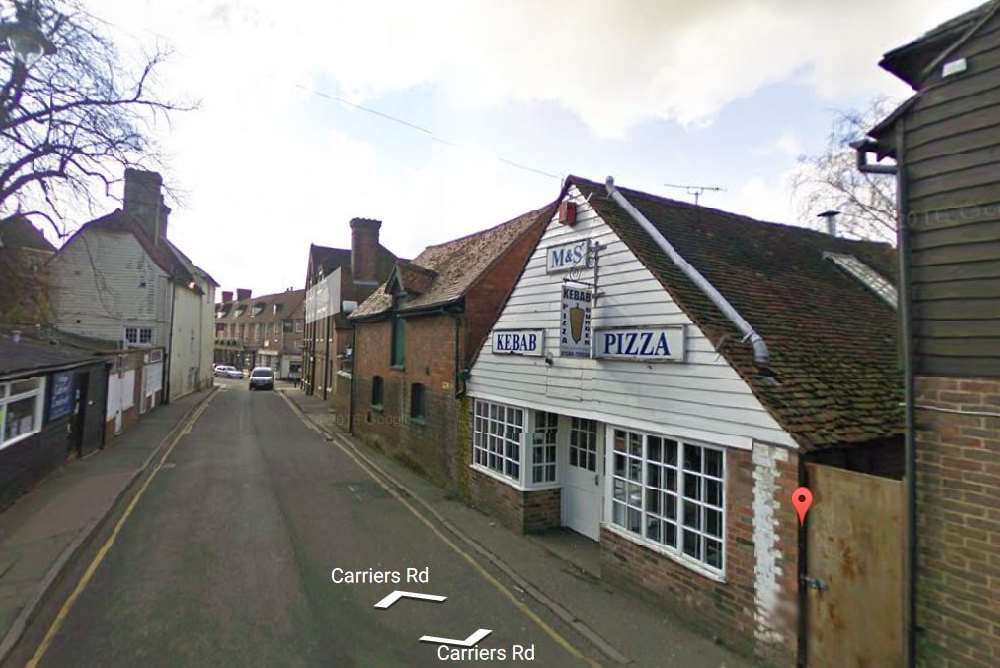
pixel 119 278
pixel 656 378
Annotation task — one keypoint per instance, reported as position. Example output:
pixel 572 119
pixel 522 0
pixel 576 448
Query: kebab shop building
pixel 656 378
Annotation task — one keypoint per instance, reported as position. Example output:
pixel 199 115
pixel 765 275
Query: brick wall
pixel 485 298
pixel 753 610
pixel 521 512
pixel 428 445
pixel 958 523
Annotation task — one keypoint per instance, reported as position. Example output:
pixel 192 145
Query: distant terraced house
pixel 261 331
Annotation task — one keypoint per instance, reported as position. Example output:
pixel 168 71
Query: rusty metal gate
pixel 854 569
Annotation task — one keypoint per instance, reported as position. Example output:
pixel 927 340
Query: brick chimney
pixel 144 202
pixel 364 250
pixel 242 293
pixel 227 296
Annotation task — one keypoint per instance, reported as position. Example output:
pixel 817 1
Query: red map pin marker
pixel 802 499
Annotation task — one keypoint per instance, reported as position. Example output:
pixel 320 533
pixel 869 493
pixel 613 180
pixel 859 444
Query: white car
pixel 226 371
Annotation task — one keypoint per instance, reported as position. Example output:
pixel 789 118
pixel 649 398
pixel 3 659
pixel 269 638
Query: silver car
pixel 262 378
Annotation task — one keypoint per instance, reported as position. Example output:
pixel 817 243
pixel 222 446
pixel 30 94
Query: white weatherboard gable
pixel 701 397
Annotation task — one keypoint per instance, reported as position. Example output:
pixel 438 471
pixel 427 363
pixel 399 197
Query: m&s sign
pixel 573 255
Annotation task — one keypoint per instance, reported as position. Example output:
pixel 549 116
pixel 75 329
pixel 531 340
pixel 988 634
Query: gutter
pixel 761 355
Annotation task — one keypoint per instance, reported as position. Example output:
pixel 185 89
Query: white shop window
pixel 21 406
pixel 543 447
pixel 670 495
pixel 496 439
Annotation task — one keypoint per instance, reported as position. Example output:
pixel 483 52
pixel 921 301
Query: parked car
pixel 226 371
pixel 262 378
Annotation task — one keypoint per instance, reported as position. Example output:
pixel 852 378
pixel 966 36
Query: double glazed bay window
pixel 496 443
pixel 20 409
pixel 671 494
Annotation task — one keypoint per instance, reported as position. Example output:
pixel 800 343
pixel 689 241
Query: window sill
pixel 497 476
pixel 397 367
pixel 418 420
pixel 18 439
pixel 378 408
pixel 670 554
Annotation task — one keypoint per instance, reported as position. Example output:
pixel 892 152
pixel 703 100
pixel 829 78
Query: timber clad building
pixel 946 143
pixel 416 336
pixel 618 397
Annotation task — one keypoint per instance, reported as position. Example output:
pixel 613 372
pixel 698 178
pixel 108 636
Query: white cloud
pixel 265 179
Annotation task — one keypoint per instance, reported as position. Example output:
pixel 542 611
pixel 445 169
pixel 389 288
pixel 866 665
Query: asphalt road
pixel 227 560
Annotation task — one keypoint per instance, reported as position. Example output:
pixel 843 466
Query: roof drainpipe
pixel 761 356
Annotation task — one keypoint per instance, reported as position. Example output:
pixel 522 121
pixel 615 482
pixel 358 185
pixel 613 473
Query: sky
pixel 722 93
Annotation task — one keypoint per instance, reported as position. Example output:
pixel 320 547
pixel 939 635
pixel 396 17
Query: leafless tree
pixel 73 120
pixel 831 180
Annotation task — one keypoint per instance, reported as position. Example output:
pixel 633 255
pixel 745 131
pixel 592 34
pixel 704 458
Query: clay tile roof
pixel 452 267
pixel 416 280
pixel 832 341
pixel 290 305
pixel 18 232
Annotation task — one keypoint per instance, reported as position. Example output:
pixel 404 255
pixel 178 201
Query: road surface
pixel 229 555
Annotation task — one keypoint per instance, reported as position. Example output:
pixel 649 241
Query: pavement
pixel 559 570
pixel 42 532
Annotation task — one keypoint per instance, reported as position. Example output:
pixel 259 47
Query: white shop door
pixel 581 491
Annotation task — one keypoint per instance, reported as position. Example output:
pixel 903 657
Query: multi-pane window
pixel 543 447
pixel 417 401
pixel 583 444
pixel 20 409
pixel 496 440
pixel 138 335
pixel 670 493
pixel 298 325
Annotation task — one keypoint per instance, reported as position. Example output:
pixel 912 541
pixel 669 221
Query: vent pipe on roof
pixel 831 221
pixel 761 356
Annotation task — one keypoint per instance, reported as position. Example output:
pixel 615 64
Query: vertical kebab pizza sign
pixel 574 329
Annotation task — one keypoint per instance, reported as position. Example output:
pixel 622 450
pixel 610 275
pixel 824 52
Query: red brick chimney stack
pixel 242 293
pixel 364 250
pixel 227 296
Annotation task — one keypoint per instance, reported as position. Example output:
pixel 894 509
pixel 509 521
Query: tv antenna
pixel 695 190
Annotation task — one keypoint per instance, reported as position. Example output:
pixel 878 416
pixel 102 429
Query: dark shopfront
pixel 52 402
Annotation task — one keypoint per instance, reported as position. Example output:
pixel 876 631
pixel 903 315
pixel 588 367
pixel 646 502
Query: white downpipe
pixel 761 356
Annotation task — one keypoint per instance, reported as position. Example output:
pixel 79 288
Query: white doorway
pixel 582 465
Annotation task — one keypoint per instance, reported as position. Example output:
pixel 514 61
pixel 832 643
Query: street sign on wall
pixel 646 344
pixel 518 342
pixel 574 326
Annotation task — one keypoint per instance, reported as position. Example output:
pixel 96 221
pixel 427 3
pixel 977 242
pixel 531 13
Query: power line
pixel 430 133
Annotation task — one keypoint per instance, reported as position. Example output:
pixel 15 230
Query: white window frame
pixel 526 464
pixel 675 551
pixel 544 454
pixel 581 450
pixel 134 335
pixel 490 423
pixel 38 415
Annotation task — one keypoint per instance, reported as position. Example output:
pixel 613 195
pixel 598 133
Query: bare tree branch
pixel 831 180
pixel 73 121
